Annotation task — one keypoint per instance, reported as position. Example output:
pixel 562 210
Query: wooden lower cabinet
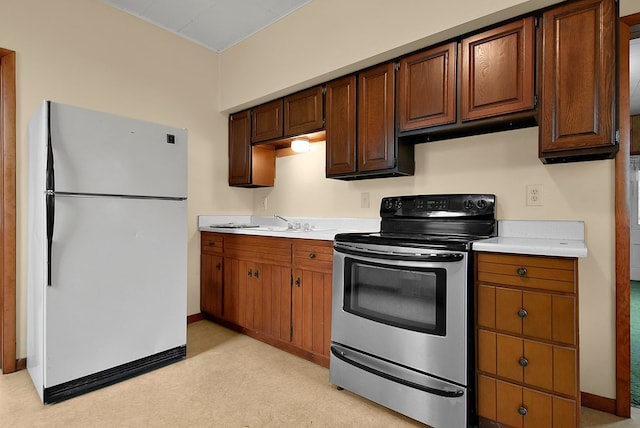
pixel 277 290
pixel 527 355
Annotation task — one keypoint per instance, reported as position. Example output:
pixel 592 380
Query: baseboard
pixel 597 402
pixel 194 318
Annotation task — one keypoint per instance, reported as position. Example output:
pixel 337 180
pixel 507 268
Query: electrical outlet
pixel 364 200
pixel 534 195
pixel 264 203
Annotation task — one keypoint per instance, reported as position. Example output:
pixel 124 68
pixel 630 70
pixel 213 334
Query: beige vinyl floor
pixel 227 380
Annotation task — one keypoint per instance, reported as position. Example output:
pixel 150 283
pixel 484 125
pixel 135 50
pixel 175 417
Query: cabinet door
pixel 427 88
pixel 211 284
pixel 240 148
pixel 276 303
pixel 303 112
pixel 498 70
pixel 311 311
pixel 376 127
pixel 231 288
pixel 249 166
pixel 340 126
pixel 578 79
pixel 266 121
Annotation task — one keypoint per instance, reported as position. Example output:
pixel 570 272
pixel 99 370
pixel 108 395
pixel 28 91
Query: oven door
pixel 404 305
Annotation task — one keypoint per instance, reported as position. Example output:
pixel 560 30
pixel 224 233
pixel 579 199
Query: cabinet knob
pixel 522 410
pixel 312 255
pixel 298 282
pixel 256 273
pixel 522 271
pixel 211 244
pixel 218 266
pixel 522 313
pixel 523 362
pixel 250 273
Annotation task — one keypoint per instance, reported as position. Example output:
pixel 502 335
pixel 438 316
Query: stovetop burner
pixel 449 221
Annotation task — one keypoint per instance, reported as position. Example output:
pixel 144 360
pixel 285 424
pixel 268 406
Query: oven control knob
pixel 468 204
pixel 482 203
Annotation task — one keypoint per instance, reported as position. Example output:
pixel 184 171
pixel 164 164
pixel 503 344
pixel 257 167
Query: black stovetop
pixel 450 221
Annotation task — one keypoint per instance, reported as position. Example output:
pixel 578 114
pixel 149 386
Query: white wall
pixel 85 53
pixel 328 38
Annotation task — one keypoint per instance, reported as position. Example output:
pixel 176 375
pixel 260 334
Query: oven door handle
pixel 386 370
pixel 386 255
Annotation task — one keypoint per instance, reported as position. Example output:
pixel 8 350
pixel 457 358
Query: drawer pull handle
pixel 522 313
pixel 212 244
pixel 250 273
pixel 522 271
pixel 523 362
pixel 312 255
pixel 523 411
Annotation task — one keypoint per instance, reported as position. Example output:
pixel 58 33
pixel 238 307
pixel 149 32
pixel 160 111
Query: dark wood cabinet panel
pixel 267 122
pixel 303 112
pixel 211 284
pixel 427 88
pixel 578 112
pixel 498 69
pixel 375 116
pixel 249 166
pixel 340 124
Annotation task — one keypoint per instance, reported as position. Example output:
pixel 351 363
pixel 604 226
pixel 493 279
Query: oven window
pixel 409 298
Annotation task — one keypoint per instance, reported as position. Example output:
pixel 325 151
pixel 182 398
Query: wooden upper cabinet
pixel 249 166
pixel 340 118
pixel 375 115
pixel 303 112
pixel 266 123
pixel 578 111
pixel 498 69
pixel 427 88
pixel 240 148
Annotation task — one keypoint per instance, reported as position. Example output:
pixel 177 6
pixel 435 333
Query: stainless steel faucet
pixel 280 217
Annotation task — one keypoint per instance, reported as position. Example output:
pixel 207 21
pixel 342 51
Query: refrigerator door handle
pixel 51 211
pixel 50 194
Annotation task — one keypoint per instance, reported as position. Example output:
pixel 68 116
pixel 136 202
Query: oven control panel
pixel 454 205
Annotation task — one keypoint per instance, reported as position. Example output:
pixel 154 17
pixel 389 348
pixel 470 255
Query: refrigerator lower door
pixel 118 288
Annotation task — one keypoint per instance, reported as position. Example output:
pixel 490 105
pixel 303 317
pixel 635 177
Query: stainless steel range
pixel 402 311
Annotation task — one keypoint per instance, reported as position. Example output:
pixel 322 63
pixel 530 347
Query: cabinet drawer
pixel 259 249
pixel 520 407
pixel 528 362
pixel 211 243
pixel 544 273
pixel 534 314
pixel 314 255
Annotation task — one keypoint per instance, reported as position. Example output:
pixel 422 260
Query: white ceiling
pixel 215 24
pixel 219 24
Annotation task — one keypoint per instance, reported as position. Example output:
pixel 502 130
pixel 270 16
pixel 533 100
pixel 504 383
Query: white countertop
pixel 544 238
pixel 304 227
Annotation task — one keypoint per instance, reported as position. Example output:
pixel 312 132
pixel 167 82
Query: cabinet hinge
pixel 324 90
pixel 291 333
pixel 617 136
pixel 535 101
pixel 536 22
pixel 396 66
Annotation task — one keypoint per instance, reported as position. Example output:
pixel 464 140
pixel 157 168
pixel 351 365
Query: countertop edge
pixel 533 246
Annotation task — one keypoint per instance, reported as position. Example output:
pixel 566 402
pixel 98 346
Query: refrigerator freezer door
pixel 118 289
pixel 100 153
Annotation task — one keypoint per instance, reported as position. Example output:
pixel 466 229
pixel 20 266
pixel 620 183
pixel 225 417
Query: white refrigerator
pixel 106 249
